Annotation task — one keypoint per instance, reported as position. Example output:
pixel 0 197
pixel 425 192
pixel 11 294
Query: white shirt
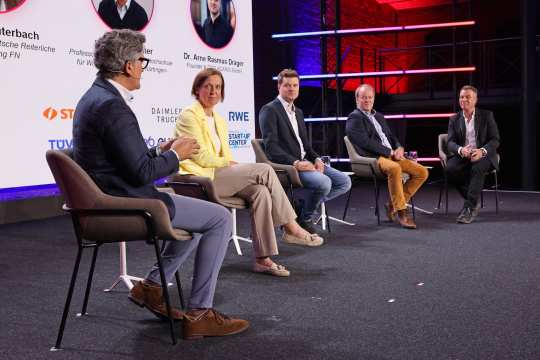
pixel 378 128
pixel 289 109
pixel 470 133
pixel 2 5
pixel 213 132
pixel 122 10
pixel 125 93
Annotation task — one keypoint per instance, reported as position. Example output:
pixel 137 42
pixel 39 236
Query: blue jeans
pixel 319 187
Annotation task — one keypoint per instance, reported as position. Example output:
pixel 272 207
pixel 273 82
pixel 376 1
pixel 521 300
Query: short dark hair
pixel 287 73
pixel 202 76
pixel 469 87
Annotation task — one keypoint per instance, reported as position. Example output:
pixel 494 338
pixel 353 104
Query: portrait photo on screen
pixel 8 5
pixel 125 14
pixel 214 21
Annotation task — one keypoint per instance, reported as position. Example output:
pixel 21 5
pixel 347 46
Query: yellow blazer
pixel 192 122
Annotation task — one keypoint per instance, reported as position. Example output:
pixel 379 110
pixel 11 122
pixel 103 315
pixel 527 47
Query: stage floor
pixel 443 291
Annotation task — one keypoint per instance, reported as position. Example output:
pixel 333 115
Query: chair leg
pixel 376 188
pixel 180 292
pixel 58 344
pixel 165 290
pixel 482 199
pixel 445 194
pixel 235 233
pixel 325 218
pixel 347 204
pixel 89 281
pixel 496 194
pixel 441 187
pixel 412 207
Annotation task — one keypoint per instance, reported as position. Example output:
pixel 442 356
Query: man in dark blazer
pixel 123 14
pixel 285 142
pixel 109 145
pixel 369 133
pixel 473 139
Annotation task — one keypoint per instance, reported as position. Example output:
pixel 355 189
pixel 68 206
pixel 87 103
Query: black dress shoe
pixel 308 226
pixel 466 216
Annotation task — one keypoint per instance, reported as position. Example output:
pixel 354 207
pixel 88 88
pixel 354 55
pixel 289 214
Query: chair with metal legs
pixel 100 219
pixel 290 180
pixel 201 187
pixel 366 167
pixel 442 142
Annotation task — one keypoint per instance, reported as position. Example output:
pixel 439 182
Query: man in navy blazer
pixel 285 142
pixel 369 133
pixel 123 14
pixel 109 145
pixel 473 139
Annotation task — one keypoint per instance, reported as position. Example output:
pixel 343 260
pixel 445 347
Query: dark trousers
pixel 468 177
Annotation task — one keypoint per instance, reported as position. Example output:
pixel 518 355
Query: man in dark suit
pixel 369 133
pixel 123 14
pixel 217 30
pixel 473 139
pixel 285 142
pixel 108 144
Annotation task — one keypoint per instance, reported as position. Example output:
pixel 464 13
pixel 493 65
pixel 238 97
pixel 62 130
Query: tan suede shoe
pixel 274 269
pixel 307 240
pixel 151 297
pixel 210 323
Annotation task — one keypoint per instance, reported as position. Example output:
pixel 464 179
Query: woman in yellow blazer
pixel 256 183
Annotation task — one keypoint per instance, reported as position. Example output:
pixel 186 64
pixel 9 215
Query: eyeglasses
pixel 144 62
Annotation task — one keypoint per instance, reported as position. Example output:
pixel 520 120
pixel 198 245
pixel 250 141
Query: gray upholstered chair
pixel 442 142
pixel 290 180
pixel 287 174
pixel 203 188
pixel 99 219
pixel 366 167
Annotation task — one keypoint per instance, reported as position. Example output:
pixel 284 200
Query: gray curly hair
pixel 114 48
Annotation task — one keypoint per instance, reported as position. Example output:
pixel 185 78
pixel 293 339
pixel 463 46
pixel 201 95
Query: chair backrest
pixel 78 189
pixel 287 174
pixel 443 148
pixel 360 165
pixel 258 148
pixel 199 187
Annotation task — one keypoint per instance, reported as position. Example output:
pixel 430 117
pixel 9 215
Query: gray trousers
pixel 211 226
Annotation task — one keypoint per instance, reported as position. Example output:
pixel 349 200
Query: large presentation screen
pixel 46 64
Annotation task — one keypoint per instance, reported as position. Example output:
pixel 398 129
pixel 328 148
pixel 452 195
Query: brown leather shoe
pixel 151 297
pixel 390 213
pixel 210 323
pixel 405 220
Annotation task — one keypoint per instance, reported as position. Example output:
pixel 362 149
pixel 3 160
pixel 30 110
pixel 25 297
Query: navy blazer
pixel 135 18
pixel 109 146
pixel 487 134
pixel 363 135
pixel 280 142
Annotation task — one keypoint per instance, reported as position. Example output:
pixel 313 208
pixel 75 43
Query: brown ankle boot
pixel 151 297
pixel 405 220
pixel 210 322
pixel 390 213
